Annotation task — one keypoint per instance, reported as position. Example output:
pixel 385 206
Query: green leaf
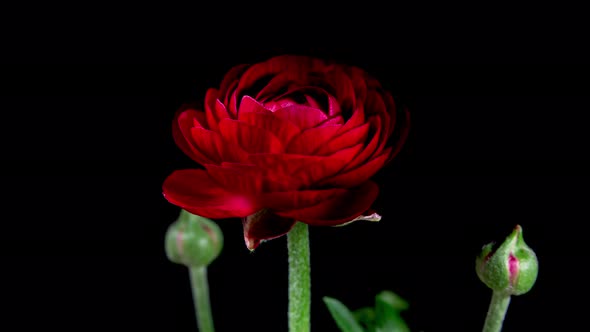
pixel 394 300
pixel 387 309
pixel 343 317
pixel 366 318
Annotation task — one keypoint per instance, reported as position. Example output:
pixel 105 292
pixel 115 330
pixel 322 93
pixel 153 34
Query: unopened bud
pixel 512 267
pixel 193 241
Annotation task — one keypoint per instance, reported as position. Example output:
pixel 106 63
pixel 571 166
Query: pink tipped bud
pixel 512 267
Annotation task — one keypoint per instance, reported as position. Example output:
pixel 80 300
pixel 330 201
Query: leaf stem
pixel 299 278
pixel 200 289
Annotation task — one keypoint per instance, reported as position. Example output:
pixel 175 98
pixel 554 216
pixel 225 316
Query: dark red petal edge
pixel 264 225
pixel 338 210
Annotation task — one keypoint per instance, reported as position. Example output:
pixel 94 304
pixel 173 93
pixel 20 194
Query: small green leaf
pixel 343 317
pixel 366 318
pixel 387 309
pixel 394 300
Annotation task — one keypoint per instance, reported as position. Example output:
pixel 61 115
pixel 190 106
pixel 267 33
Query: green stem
pixel 201 298
pixel 496 312
pixel 299 279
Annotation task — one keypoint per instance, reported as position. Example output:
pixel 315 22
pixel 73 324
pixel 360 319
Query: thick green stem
pixel 299 279
pixel 201 298
pixel 496 312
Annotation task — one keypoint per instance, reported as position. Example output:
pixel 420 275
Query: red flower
pixel 290 139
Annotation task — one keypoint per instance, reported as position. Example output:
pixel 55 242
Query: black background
pixel 499 137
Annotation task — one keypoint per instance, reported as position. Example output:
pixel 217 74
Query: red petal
pixel 337 120
pixel 208 143
pixel 250 138
pixel 333 106
pixel 188 113
pixel 264 225
pixel 220 110
pixel 384 136
pixel 285 131
pixel 200 120
pixel 232 102
pixel 181 132
pixel 246 179
pixel 316 97
pixel 281 167
pixel 254 113
pixel 311 102
pixel 374 147
pixel 302 116
pixel 372 83
pixel 403 134
pixel 211 144
pixel 311 140
pixel 194 191
pixel 251 105
pixel 280 103
pixel 355 136
pixel 303 171
pixel 322 167
pixel 277 85
pixel 342 87
pixel 230 99
pixel 358 175
pixel 231 78
pixel 375 104
pixel 359 78
pixel 391 110
pixel 339 209
pixel 269 183
pixel 214 109
pixel 292 200
pixel 276 65
pixel 357 119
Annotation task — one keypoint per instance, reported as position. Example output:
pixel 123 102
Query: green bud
pixel 511 268
pixel 193 241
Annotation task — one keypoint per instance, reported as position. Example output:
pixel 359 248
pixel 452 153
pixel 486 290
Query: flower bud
pixel 511 268
pixel 193 241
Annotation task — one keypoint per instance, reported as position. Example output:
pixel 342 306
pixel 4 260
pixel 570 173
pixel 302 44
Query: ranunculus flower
pixel 290 139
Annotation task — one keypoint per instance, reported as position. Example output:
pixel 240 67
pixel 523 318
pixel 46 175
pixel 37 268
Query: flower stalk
pixel 200 288
pixel 496 312
pixel 299 278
